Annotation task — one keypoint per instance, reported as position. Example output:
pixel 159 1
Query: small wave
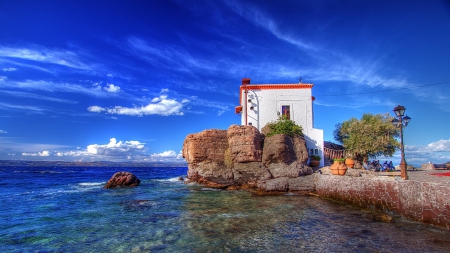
pixel 175 179
pixel 91 184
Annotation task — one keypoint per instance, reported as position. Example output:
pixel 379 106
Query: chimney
pixel 245 80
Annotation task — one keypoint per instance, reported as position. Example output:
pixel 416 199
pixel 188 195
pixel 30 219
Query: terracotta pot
pixel 314 163
pixel 334 168
pixel 342 171
pixel 349 162
pixel 338 168
pixel 334 171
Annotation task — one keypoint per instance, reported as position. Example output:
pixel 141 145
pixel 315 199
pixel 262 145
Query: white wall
pixel 268 102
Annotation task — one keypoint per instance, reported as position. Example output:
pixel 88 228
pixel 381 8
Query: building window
pixel 286 110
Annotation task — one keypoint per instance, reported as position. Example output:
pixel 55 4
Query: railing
pixel 333 153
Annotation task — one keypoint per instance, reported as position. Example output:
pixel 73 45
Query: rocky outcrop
pixel 122 179
pixel 242 157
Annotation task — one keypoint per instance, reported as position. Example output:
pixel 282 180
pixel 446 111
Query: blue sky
pixel 128 80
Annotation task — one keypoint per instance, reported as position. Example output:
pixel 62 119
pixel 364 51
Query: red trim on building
pixel 238 109
pixel 274 87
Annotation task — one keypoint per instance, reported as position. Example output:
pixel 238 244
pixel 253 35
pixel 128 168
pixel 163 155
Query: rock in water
pixel 122 179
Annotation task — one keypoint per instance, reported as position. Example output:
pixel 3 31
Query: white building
pixel 264 103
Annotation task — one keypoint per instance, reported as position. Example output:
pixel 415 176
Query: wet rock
pixel 122 179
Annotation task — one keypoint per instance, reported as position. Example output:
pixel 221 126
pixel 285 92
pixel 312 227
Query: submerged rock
pixel 122 179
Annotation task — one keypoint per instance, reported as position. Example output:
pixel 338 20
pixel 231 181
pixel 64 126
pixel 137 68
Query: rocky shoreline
pixel 242 157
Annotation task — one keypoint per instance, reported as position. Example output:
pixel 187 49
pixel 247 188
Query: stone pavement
pixel 426 175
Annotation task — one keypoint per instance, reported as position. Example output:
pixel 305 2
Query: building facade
pixel 264 103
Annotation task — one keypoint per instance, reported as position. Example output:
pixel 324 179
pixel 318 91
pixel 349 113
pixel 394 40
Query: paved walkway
pixel 426 175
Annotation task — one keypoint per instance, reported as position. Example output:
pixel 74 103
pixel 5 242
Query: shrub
pixel 315 158
pixel 284 126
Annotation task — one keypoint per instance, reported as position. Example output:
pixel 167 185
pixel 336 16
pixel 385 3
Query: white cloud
pixel 3 132
pixel 164 90
pixel 161 105
pixel 112 88
pixel 114 148
pixel 9 69
pixel 109 75
pixel 43 153
pixel 165 154
pixel 435 152
pixel 439 146
pixel 95 108
pixel 219 113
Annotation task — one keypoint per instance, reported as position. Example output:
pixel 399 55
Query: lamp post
pixel 401 121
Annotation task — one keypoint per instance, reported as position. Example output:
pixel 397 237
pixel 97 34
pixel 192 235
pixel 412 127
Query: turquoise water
pixel 67 210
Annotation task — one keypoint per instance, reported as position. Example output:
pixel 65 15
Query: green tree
pixel 369 137
pixel 284 126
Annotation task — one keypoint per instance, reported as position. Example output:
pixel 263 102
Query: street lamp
pixel 401 122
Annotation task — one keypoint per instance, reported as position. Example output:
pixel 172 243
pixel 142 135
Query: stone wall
pixel 421 201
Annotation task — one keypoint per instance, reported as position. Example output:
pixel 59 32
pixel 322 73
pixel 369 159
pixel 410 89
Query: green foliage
pixel 284 126
pixel 339 160
pixel 316 157
pixel 369 137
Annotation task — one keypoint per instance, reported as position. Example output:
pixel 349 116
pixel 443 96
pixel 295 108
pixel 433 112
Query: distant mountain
pixel 9 163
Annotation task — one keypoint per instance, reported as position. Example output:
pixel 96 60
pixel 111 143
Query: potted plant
pixel 349 162
pixel 314 161
pixel 338 167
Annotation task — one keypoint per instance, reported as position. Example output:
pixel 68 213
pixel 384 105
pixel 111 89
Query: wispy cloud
pixel 44 55
pixel 263 20
pixel 49 86
pixel 170 56
pixel 3 132
pixel 29 109
pixel 161 105
pixel 9 69
pixel 36 96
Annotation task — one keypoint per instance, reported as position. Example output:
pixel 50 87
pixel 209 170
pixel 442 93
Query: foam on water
pixel 92 184
pixel 174 179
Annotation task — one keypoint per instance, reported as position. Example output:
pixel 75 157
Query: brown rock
pixel 282 148
pixel 250 172
pixel 122 179
pixel 237 158
pixel 293 170
pixel 205 154
pixel 206 146
pixel 245 143
pixel 277 184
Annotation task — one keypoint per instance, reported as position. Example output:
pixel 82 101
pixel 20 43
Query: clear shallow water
pixel 67 210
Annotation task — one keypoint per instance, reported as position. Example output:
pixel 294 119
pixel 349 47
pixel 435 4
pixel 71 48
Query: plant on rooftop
pixel 371 136
pixel 284 126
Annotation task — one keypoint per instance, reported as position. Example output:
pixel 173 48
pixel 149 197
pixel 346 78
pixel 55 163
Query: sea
pixel 66 209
